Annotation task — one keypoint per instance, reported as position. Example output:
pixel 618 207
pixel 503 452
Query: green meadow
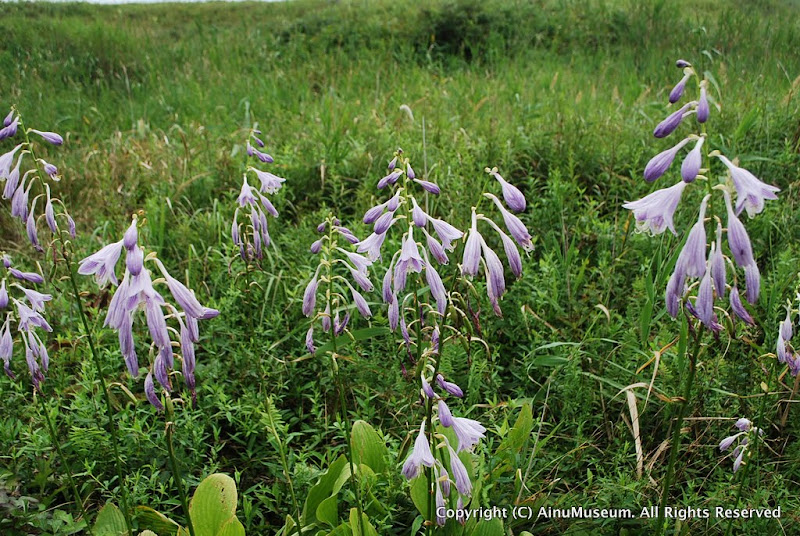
pixel 579 381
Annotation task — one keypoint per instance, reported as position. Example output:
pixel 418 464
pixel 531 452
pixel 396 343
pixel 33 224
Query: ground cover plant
pixel 389 265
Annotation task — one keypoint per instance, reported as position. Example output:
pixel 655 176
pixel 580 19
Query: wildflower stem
pixel 64 460
pixel 282 451
pixel 176 470
pixel 676 434
pixel 340 387
pixel 112 427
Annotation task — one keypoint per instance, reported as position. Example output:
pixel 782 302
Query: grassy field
pixel 155 103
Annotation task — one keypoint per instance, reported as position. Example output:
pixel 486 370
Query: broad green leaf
pixel 155 521
pixel 328 510
pixel 415 526
pixel 521 431
pixel 368 447
pixel 420 494
pixel 213 505
pixel 322 490
pixel 489 528
pixel 110 522
pixel 148 533
pixel 369 530
pixel 232 527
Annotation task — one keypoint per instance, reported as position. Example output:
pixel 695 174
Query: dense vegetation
pixel 155 103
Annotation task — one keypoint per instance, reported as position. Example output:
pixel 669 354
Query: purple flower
pixel 738 240
pixel 10 130
pixel 410 172
pixel 674 292
pixel 326 319
pixel 441 509
pixel 3 295
pixel 726 443
pixel 310 341
pixel 316 246
pixel 495 280
pixel 27 318
pixel 690 167
pixel 102 264
pixel 339 327
pixel 750 192
pixel 49 168
pixel 677 91
pixel 409 260
pixel 392 164
pixel 150 392
pixel 738 308
pixel 391 178
pixel 50 215
pixel 19 201
pixel 6 160
pixel 347 234
pixel 6 260
pixel 361 303
pixel 668 125
pixel 660 163
pixel 427 389
pixel 435 248
pixel 702 105
pixel 386 288
pixel 446 233
pixel 270 183
pixel 459 472
pixel 7 347
pixel 716 263
pixel 36 299
pixel 246 195
pixel 655 212
pixel 127 347
pixel 7 120
pixel 310 295
pixel 472 249
pixel 437 287
pixel 514 225
pixel 704 303
pixel 451 388
pixel 445 416
pixel 50 137
pixel 383 223
pixel 681 64
pixel 786 326
pixel 468 432
pixel 186 298
pixel 511 194
pixel 393 313
pixel 752 278
pixel 374 213
pixel 134 260
pixel 372 245
pixel 30 277
pixel 30 228
pixel 692 258
pixel 12 181
pixel 428 186
pixel 420 455
pixel 417 214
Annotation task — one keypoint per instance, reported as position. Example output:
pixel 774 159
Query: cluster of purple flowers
pixel 468 433
pixel 19 184
pixel 655 213
pixel 337 286
pixel 477 251
pixel 413 256
pixel 136 292
pixel 746 430
pixel 255 237
pixel 785 351
pixel 25 310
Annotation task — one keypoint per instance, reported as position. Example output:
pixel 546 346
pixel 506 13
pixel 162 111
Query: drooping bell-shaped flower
pixel 50 137
pixel 702 105
pixel 468 432
pixel 270 183
pixel 677 92
pixel 450 387
pixel 429 186
pixel 310 295
pixel 514 225
pixel 750 191
pixel 692 258
pixel 102 264
pixel 738 308
pixel 691 165
pixel 655 212
pixel 472 249
pixel 459 472
pixel 446 233
pixel 420 455
pixel 668 125
pixel 511 194
pixel 738 240
pixel 716 263
pixel 660 163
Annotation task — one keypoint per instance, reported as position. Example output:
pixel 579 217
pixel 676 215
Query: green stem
pixel 64 460
pixel 176 471
pixel 676 434
pixel 112 427
pixel 340 387
pixel 282 451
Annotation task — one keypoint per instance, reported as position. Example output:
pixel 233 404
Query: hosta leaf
pixel 110 522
